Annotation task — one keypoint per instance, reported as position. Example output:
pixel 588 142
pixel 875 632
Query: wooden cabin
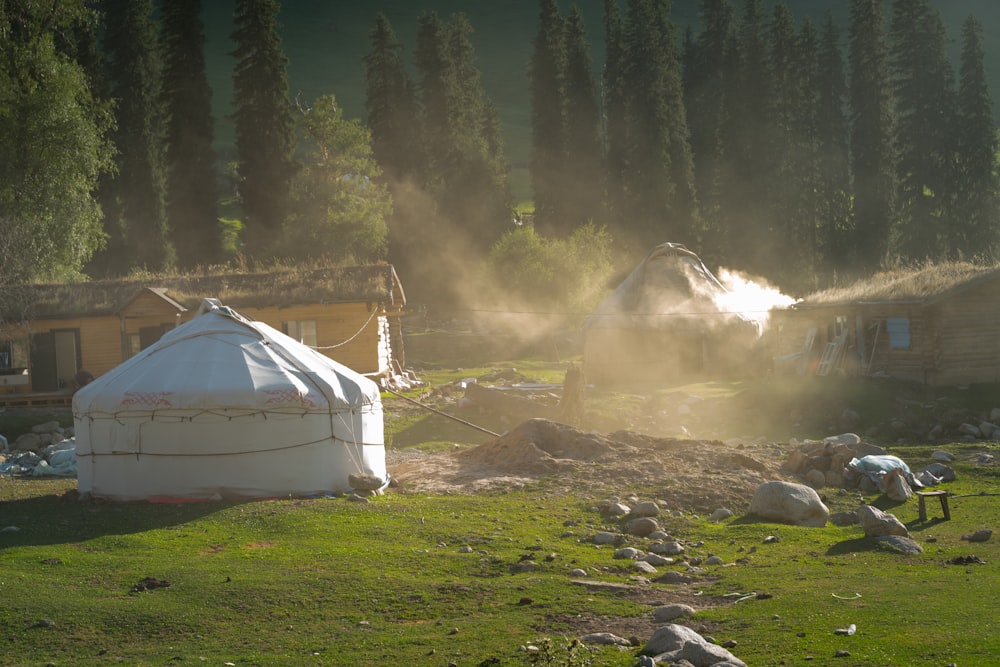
pixel 50 333
pixel 937 325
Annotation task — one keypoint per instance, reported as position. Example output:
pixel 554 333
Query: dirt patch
pixel 695 475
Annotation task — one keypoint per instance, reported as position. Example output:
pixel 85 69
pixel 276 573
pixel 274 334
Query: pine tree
pixel 390 101
pixel 925 99
pixel 744 206
pixel 705 101
pixel 265 131
pixel 584 184
pixel 660 168
pixel 975 228
pixel 833 185
pixel 872 127
pixel 134 204
pixel 192 199
pixel 434 85
pixel 546 73
pixel 615 105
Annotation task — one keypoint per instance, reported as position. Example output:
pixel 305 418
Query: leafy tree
pixel 547 73
pixel 925 99
pixel 265 129
pixel 871 142
pixel 583 191
pixel 192 200
pixel 53 147
pixel 975 227
pixel 391 104
pixel 135 206
pixel 339 207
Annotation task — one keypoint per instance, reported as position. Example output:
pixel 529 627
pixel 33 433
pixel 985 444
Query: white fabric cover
pixel 223 406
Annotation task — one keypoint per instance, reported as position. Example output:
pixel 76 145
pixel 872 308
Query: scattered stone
pixel 615 510
pixel 721 514
pixel 899 544
pixel 667 548
pixel 642 526
pixel 605 537
pixel 629 553
pixel 657 559
pixel 841 653
pixel 648 508
pixel 816 478
pixel 359 482
pixel 713 560
pixel 45 623
pixel 578 572
pixel 670 637
pixel 940 471
pixel 643 566
pixel 674 578
pixel 877 523
pixel 771 539
pixel 524 566
pixel 604 639
pixel 943 456
pixel 789 503
pixel 671 611
pixel 967 560
pixel 979 536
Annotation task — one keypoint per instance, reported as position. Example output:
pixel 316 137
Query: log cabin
pixel 937 325
pixel 52 336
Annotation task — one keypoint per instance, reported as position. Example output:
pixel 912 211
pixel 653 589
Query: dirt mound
pixel 540 446
pixel 690 474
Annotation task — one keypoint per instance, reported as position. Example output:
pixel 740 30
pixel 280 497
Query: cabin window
pixel 133 345
pixel 899 332
pixel 303 331
pixel 13 354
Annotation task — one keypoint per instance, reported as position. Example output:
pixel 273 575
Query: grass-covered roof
pixel 916 285
pixel 375 283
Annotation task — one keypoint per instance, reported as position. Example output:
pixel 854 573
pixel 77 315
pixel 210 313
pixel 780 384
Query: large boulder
pixel 786 502
pixel 877 523
pixel 670 637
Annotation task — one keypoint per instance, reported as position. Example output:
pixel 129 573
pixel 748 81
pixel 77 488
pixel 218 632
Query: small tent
pixel 668 320
pixel 226 407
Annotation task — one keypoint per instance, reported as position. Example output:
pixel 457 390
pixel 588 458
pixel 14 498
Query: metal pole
pixel 443 414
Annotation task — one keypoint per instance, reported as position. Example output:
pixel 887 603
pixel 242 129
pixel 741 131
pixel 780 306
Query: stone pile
pixel 821 464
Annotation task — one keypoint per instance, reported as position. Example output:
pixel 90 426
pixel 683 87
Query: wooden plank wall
pixel 968 346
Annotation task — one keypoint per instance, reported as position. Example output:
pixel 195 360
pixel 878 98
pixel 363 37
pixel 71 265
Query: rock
pixel 674 578
pixel 604 537
pixel 835 477
pixel 28 442
pixel 604 639
pixel 577 572
pixel 647 508
pixel 643 566
pixel 789 503
pixel 970 430
pixel 943 456
pixel 979 536
pixel 867 485
pixel 849 439
pixel 615 510
pixel 667 548
pixel 524 566
pixel 47 427
pixel 628 553
pixel 704 654
pixel 877 523
pixel 365 482
pixel 670 637
pixel 899 544
pixel 713 560
pixel 669 612
pixel 721 514
pixel 816 478
pixel 642 526
pixel 940 471
pixel 895 485
pixel 988 429
pixel 657 559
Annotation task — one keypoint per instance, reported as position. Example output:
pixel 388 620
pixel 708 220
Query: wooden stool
pixel 940 495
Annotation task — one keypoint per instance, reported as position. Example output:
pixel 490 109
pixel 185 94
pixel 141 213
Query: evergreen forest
pixel 809 153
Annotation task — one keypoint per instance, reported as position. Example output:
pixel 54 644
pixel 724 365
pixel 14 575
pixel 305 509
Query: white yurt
pixel 226 407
